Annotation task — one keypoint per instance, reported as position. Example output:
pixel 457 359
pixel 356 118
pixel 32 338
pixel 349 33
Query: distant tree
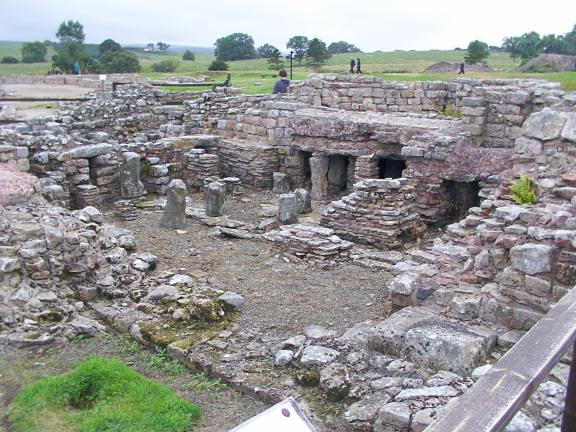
pixel 342 47
pixel 109 46
pixel 298 44
pixel 317 54
pixel 165 66
pixel 275 60
pixel 34 52
pixel 9 60
pixel 119 62
pixel 524 47
pixel 266 50
pixel 162 46
pixel 237 46
pixel 218 65
pixel 70 31
pixel 188 55
pixel 477 52
pixel 71 47
pixel 149 47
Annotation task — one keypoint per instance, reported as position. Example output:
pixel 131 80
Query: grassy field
pixel 254 77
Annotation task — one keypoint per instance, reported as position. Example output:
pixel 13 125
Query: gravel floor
pixel 280 296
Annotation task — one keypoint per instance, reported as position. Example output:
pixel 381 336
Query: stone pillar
pixel 366 167
pixel 215 199
pixel 287 209
pixel 175 212
pixel 303 200
pixel 280 183
pixel 130 184
pixel 319 166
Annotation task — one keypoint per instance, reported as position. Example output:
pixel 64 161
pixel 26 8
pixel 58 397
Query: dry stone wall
pixel 377 213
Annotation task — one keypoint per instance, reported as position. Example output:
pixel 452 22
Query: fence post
pixel 569 415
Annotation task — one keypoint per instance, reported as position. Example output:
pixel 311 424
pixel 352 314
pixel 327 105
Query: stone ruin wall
pixel 505 263
pixel 492 110
pixel 502 263
pixel 263 134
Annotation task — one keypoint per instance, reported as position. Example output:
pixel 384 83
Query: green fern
pixel 522 191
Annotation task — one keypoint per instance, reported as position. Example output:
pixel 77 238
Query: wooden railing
pixel 497 396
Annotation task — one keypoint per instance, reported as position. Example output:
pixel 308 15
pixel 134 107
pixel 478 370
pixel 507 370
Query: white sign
pixel 285 416
pixel 103 77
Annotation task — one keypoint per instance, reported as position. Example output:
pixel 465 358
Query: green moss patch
pixel 100 395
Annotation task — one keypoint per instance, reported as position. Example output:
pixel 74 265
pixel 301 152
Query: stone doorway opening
pixel 305 169
pixel 391 166
pixel 337 174
pixel 461 196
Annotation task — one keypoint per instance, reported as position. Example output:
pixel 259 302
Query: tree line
pixel 530 45
pixel 525 47
pixel 106 57
pixel 240 46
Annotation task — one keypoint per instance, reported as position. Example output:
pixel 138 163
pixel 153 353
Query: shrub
pixel 100 395
pixel 188 55
pixel 448 111
pixel 119 62
pixel 34 52
pixel 218 65
pixel 165 66
pixel 9 60
pixel 522 191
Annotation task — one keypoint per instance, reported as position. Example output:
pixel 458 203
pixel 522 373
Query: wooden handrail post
pixel 569 415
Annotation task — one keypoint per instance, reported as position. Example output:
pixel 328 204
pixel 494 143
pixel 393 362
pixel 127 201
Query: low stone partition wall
pixel 201 168
pixel 92 174
pixel 252 162
pixel 89 81
pixel 378 213
pixel 366 93
pixel 252 118
pixel 16 156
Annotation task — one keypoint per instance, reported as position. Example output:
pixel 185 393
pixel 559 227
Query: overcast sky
pixel 369 24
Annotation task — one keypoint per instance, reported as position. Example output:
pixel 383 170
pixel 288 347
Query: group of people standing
pixel 355 64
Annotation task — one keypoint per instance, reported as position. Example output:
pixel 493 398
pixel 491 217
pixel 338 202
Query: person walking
pixel 352 65
pixel 282 84
pixel 461 68
pixel 76 68
pixel 358 69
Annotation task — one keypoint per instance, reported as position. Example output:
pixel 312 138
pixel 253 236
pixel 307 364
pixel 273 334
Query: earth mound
pixel 455 67
pixel 549 63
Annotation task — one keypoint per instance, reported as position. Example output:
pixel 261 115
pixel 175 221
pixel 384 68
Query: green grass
pixel 254 77
pixel 100 395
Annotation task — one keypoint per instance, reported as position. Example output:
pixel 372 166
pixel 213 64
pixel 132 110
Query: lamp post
pixel 291 58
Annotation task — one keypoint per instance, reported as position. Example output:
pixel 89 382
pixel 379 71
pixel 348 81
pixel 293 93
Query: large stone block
pixel 287 209
pixel 532 258
pixel 280 183
pixel 443 346
pixel 215 199
pixel 387 335
pixel 569 129
pixel 86 152
pixel 130 184
pixel 544 125
pixel 174 215
pixel 303 200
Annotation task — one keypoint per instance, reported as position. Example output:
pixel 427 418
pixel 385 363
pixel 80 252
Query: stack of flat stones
pixel 125 210
pixel 377 213
pixel 313 244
